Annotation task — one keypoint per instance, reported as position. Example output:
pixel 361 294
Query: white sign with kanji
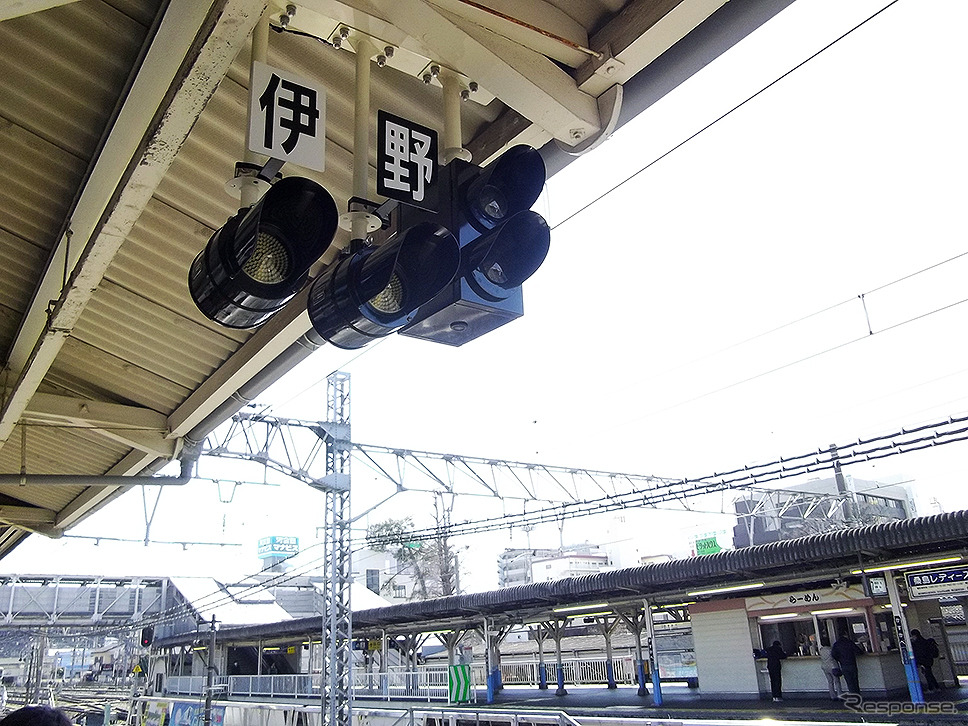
pixel 406 161
pixel 287 117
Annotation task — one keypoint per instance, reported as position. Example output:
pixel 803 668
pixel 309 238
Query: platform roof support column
pixel 606 626
pixel 540 636
pixel 653 652
pixel 556 628
pixel 636 621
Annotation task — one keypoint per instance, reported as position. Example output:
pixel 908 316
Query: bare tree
pixel 431 563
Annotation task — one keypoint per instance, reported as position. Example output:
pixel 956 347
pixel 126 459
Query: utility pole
pixel 210 684
pixel 30 674
pixel 39 667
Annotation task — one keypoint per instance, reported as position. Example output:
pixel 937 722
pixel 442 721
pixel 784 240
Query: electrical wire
pixel 785 467
pixel 877 447
pixel 679 145
pixel 798 361
pixel 806 317
pixel 722 116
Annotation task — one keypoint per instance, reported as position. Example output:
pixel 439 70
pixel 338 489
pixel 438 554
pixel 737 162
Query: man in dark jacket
pixel 845 652
pixel 925 651
pixel 775 654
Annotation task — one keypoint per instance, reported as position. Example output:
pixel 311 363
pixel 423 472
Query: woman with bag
pixel 831 670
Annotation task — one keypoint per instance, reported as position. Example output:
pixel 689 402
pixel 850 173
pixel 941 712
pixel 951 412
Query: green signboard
pixel 459 684
pixel 707 546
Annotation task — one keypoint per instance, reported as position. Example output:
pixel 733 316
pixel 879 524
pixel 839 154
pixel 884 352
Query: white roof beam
pixel 266 345
pixel 552 32
pixel 139 428
pixel 640 33
pixel 522 78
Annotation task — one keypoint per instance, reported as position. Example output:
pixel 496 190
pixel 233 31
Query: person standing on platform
pixel 925 651
pixel 831 670
pixel 845 652
pixel 774 658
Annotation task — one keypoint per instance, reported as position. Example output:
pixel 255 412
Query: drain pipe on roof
pixel 76 480
pixel 119 483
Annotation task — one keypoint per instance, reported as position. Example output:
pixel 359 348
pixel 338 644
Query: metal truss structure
pixel 316 453
pixel 295 448
pixel 319 453
pixel 31 601
pixel 337 615
pixel 768 515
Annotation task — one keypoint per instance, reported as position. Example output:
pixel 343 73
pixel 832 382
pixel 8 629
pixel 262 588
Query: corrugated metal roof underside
pixel 58 451
pixel 63 72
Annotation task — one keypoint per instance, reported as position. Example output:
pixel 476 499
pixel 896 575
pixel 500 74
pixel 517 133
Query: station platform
pixel 680 703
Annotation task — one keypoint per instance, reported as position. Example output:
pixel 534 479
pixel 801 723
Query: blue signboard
pixel 278 547
pixel 191 713
pixel 937 583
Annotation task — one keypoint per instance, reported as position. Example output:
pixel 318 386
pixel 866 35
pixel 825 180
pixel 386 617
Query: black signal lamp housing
pixel 502 243
pixel 261 257
pixel 376 290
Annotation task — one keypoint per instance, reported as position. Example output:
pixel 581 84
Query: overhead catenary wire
pixel 816 354
pixel 722 116
pixel 863 449
pixel 871 449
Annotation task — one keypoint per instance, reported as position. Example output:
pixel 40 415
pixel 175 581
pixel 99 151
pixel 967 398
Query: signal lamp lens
pixel 495 273
pixel 503 259
pixel 376 290
pixel 260 258
pixel 509 185
pixel 269 262
pixel 493 202
pixel 390 300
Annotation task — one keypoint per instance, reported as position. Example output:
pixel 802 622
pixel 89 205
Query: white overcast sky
pixel 634 353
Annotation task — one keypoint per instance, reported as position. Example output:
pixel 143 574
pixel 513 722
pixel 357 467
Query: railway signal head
pixel 502 243
pixel 376 290
pixel 260 258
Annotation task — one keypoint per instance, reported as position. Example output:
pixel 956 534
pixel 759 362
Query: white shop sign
pixel 813 599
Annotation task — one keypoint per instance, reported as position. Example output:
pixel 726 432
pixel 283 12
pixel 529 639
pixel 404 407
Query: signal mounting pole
pixel 337 616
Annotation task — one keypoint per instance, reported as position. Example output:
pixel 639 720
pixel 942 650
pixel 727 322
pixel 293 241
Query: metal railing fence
pixel 426 683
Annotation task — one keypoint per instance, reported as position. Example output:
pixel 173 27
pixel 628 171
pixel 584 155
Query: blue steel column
pixel 556 629
pixel 904 641
pixel 634 621
pixel 489 677
pixel 606 625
